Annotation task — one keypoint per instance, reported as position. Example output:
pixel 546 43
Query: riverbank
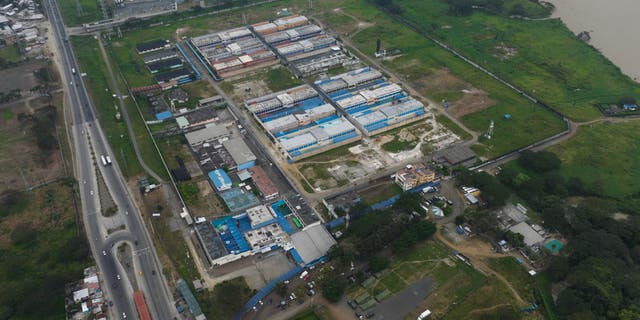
pixel 612 26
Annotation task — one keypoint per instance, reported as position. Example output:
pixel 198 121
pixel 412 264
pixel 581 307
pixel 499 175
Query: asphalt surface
pixel 89 144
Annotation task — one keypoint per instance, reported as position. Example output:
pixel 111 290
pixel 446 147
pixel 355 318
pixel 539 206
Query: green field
pixel 77 12
pixel 10 54
pixel 604 156
pixel 87 51
pixel 543 56
pixel 515 274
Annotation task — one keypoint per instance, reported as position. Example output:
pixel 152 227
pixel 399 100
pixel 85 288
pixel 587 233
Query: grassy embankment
pixel 542 57
pixel 77 12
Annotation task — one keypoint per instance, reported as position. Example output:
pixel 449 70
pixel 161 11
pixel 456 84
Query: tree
pixel 281 289
pixel 542 161
pixel 516 240
pixel 378 263
pixel 459 220
pixel 333 287
pixel 460 7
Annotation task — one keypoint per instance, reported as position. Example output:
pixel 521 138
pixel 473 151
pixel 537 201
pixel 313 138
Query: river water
pixel 613 26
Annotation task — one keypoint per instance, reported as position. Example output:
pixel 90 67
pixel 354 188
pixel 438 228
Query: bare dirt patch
pixel 441 81
pixel 472 101
pixel 23 164
pixel 504 52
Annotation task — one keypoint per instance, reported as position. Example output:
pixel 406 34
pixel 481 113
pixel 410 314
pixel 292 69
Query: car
pixel 91 192
pixel 370 314
pixel 124 315
pixel 118 276
pixel 104 253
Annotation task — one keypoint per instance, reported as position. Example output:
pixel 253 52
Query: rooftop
pixel 312 242
pixel 239 151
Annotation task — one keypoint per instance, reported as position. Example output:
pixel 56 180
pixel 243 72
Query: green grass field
pixel 515 274
pixel 604 155
pixel 10 54
pixel 77 12
pixel 547 59
pixel 88 53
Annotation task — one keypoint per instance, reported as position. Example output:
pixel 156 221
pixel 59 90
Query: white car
pixel 124 315
pixel 91 192
pixel 104 253
pixel 118 276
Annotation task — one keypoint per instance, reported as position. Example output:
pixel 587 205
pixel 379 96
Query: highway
pixel 89 142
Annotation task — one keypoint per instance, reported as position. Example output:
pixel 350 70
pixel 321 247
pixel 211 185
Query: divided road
pixel 89 142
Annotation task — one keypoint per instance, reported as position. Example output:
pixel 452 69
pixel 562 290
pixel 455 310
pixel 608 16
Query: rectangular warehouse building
pixel 349 80
pixel 231 51
pixel 294 34
pixel 240 153
pixel 152 46
pixel 280 24
pixel 280 100
pixel 319 138
pixel 304 48
pixel 389 115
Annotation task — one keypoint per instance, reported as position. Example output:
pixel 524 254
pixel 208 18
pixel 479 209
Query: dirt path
pixel 483 310
pixel 478 251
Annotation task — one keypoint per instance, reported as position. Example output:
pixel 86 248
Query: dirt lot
pixel 21 77
pixel 472 101
pixel 24 165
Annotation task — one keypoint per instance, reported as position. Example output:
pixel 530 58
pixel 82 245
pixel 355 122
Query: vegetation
pixel 77 12
pixel 280 78
pixel 601 157
pixel 437 73
pixel 541 56
pixel 44 129
pixel 226 299
pixel 9 56
pixel 86 49
pixel 40 251
pixel 456 129
pixel 396 145
pixel 597 270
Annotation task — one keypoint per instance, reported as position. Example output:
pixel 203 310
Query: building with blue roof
pixel 220 179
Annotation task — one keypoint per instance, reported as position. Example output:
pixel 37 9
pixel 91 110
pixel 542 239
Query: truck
pixel 428 189
pixel 104 160
pixel 424 314
pixel 141 306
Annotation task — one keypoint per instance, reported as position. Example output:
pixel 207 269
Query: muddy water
pixel 613 26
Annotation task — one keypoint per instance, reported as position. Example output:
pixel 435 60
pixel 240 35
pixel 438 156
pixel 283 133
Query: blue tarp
pixel 335 223
pixel 164 115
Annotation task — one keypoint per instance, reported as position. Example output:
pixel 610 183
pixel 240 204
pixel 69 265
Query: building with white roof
pixel 319 138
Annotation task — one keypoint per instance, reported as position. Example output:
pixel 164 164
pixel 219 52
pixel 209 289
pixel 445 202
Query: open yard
pixel 541 56
pixel 77 12
pixel 604 157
